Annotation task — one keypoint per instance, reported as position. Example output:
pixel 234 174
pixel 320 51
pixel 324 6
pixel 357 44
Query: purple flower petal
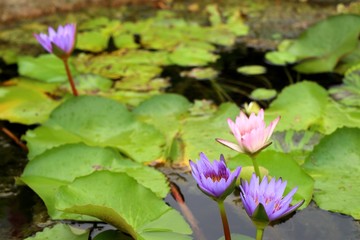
pixel 270 195
pixel 214 179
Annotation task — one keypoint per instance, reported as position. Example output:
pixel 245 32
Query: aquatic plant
pixel 264 202
pixel 61 43
pixel 251 134
pixel 216 181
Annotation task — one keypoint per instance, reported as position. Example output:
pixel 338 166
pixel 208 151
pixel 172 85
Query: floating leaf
pixel 348 93
pixel 119 200
pixel 189 56
pixel 334 165
pixel 320 47
pixel 60 232
pixel 201 73
pixel 46 67
pixel 251 70
pixel 110 125
pixel 60 166
pixel 280 58
pixel 92 41
pixel 25 101
pixel 296 114
pixel 263 94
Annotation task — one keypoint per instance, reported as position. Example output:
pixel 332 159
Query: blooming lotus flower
pixel 60 42
pixel 251 133
pixel 264 202
pixel 214 179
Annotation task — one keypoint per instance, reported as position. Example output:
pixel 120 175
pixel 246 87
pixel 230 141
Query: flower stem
pixel 72 84
pixel 259 233
pixel 224 220
pixel 256 166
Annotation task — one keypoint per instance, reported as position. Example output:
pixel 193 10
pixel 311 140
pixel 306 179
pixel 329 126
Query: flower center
pixel 214 177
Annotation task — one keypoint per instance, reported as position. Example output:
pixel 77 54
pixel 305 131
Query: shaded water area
pixel 22 212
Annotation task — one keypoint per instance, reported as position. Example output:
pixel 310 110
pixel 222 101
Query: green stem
pixel 224 220
pixel 259 233
pixel 72 84
pixel 256 166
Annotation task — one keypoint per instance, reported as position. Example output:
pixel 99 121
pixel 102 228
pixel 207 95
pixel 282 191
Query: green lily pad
pixel 120 64
pixel 46 67
pixel 25 101
pixel 60 232
pixel 91 83
pixel 189 56
pixel 295 114
pixel 92 41
pixel 334 165
pixel 282 165
pixel 60 166
pixel 348 93
pixel 201 73
pixel 280 58
pixel 298 144
pixel 263 94
pixel 110 125
pixel 251 70
pixel 320 47
pixel 134 208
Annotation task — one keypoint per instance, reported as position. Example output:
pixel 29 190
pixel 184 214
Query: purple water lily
pixel 214 179
pixel 270 196
pixel 61 43
pixel 63 39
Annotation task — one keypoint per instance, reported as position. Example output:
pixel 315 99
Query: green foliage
pixel 316 111
pixel 60 232
pixel 349 92
pixel 136 210
pixel 334 165
pixel 26 101
pixel 110 125
pixel 46 67
pixel 61 165
pixel 322 46
pixel 263 94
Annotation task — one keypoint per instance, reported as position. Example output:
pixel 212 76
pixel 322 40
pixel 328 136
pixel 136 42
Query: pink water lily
pixel 270 196
pixel 251 133
pixel 60 42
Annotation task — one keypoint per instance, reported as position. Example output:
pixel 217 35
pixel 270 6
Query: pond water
pixel 22 213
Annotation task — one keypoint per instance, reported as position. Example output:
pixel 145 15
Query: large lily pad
pixel 60 166
pixel 97 121
pixel 122 202
pixel 321 46
pixel 300 106
pixel 334 165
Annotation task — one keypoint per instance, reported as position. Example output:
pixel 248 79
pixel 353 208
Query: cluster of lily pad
pixel 114 142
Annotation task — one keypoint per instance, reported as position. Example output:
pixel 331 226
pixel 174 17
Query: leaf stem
pixel 224 220
pixel 72 84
